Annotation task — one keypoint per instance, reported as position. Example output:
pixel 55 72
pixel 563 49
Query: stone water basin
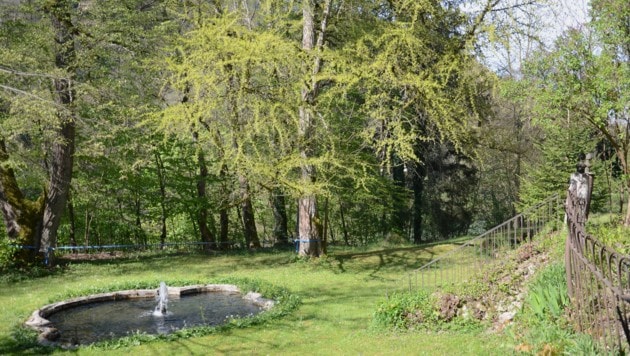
pixel 113 315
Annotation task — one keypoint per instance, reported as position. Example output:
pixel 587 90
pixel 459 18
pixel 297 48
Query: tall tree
pixel 583 80
pixel 35 223
pixel 314 30
pixel 239 103
pixel 92 106
pixel 418 90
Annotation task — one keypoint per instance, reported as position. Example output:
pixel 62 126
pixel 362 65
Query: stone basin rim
pixel 48 334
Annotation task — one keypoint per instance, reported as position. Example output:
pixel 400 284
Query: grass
pixel 339 294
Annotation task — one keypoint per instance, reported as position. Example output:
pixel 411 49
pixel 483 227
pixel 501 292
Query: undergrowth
pixel 613 235
pixel 548 296
pixel 542 327
pixel 13 271
pixel 421 311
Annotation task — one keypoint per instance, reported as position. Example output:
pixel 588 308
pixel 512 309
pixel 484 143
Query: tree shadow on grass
pixel 221 263
pixel 376 263
pixel 395 259
pixel 392 259
pixel 101 258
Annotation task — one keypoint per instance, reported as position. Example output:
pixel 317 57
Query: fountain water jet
pixel 162 297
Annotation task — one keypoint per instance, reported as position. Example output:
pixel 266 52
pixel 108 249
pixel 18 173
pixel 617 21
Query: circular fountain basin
pixel 112 315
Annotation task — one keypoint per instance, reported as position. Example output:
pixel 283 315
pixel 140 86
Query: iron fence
pixel 465 261
pixel 598 280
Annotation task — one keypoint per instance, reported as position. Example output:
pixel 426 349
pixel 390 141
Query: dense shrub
pixel 421 310
pixel 406 310
pixel 7 256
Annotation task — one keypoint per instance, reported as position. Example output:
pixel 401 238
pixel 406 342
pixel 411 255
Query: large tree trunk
pixel 22 217
pixel 62 157
pixel 35 224
pixel 309 231
pixel 308 227
pixel 60 177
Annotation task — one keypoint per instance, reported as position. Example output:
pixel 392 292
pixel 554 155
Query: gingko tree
pixel 274 111
pixel 418 88
pixel 238 94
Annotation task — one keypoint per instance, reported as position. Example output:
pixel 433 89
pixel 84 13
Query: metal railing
pixel 598 281
pixel 464 262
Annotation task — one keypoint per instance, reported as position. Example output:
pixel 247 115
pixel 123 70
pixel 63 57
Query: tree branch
pixel 25 93
pixel 26 74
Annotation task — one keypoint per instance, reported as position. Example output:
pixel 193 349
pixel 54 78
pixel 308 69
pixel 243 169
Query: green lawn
pixel 338 293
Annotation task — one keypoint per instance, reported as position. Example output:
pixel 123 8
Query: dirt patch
pixel 449 306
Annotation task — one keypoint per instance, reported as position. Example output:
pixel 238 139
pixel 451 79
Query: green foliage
pixel 419 311
pixel 406 310
pixel 238 88
pixel 473 290
pixel 543 327
pixel 7 255
pixel 579 98
pixel 559 153
pixel 612 235
pixel 477 227
pixel 13 269
pixel 610 19
pixel 582 344
pixel 547 297
pixel 23 339
pixel 449 187
pixel 365 211
pixel 508 133
pixel 405 71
